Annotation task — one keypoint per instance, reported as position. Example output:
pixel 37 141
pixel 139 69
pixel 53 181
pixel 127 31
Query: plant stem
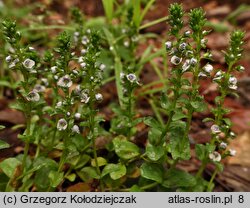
pixel 149 24
pixel 211 180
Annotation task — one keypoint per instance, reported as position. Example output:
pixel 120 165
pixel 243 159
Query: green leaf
pixel 4 145
pixel 55 178
pixel 2 127
pixel 3 181
pixel 219 166
pixel 200 151
pixel 108 6
pixel 9 166
pixel 178 115
pixel 154 153
pixel 178 178
pixel 115 171
pixel 100 160
pixel 135 188
pixel 154 136
pixel 199 106
pixel 137 12
pixel 125 149
pixel 153 123
pixel 152 171
pixel 88 173
pixel 179 144
pixel 71 177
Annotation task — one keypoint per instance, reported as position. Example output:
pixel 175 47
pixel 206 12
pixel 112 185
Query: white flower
pixel 80 59
pixel 29 63
pixel 122 75
pixel 201 74
pixel 13 63
pixel 223 145
pixel 83 64
pixel 187 33
pixel 232 152
pixel 75 129
pixel 84 97
pixel 77 115
pixel 39 88
pixel 208 68
pixel 193 61
pixel 75 72
pixel 215 129
pixel 59 104
pixel 62 124
pixel 241 68
pixel 68 113
pixel 98 97
pixel 189 53
pixel 88 31
pixel 33 96
pixel 53 69
pixel 233 87
pixel 232 80
pixel 83 51
pixel 85 40
pixel 8 59
pixel 182 46
pixel 65 81
pixel 102 67
pixel 131 77
pixel 176 60
pixel 126 43
pixel 217 76
pixel 168 45
pixel 186 66
pixel 215 156
pixel 31 48
pixel 232 134
pixel 76 34
pixel 203 41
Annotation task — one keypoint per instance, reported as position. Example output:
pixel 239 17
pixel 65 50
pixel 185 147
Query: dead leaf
pixel 79 187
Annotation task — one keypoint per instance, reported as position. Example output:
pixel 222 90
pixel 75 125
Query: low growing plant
pixel 59 94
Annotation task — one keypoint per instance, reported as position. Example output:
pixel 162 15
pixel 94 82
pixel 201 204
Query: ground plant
pixel 58 89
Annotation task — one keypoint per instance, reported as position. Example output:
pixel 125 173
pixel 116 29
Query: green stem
pixel 149 24
pixel 201 169
pixel 211 180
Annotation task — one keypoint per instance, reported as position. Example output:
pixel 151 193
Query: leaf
pixel 149 121
pixel 178 178
pixel 179 144
pixel 79 187
pixel 4 145
pixel 71 177
pixel 125 149
pixel 152 171
pixel 154 153
pixel 200 151
pixel 115 171
pixel 9 166
pixel 135 188
pixel 178 115
pixel 55 178
pixel 88 173
pixel 154 136
pixel 100 160
pixel 199 106
pixel 3 182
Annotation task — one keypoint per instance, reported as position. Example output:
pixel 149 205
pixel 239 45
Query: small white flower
pixel 77 116
pixel 217 76
pixel 76 34
pixel 59 104
pixel 131 77
pixel 241 68
pixel 233 87
pixel 189 53
pixel 215 156
pixel 29 63
pixel 80 59
pixel 83 64
pixel 84 97
pixel 203 41
pixel 75 129
pixel 56 77
pixel 39 88
pixel 98 97
pixel 208 68
pixel 215 129
pixel 85 40
pixel 186 66
pixel 168 45
pixel 31 48
pixel 45 81
pixel 232 152
pixel 232 134
pixel 122 75
pixel 53 69
pixel 182 46
pixel 13 63
pixel 75 72
pixel 223 145
pixel 33 96
pixel 111 48
pixel 201 74
pixel 68 113
pixel 187 33
pixel 176 60
pixel 8 59
pixel 83 51
pixel 124 30
pixel 62 124
pixel 126 43
pixel 65 81
pixel 102 67
pixel 193 61
pixel 88 31
pixel 232 80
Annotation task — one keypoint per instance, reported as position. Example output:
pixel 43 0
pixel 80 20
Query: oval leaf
pixel 152 171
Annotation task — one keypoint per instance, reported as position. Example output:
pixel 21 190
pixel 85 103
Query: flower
pixel 182 46
pixel 215 129
pixel 215 156
pixel 65 81
pixel 233 87
pixel 68 113
pixel 126 43
pixel 122 75
pixel 168 45
pixel 186 66
pixel 53 69
pixel 201 74
pixel 102 67
pixel 29 63
pixel 39 88
pixel 45 81
pixel 84 97
pixel 80 59
pixel 8 59
pixel 98 97
pixel 176 60
pixel 223 145
pixel 193 61
pixel 62 124
pixel 232 80
pixel 83 64
pixel 75 129
pixel 13 63
pixel 217 76
pixel 85 40
pixel 232 152
pixel 187 33
pixel 208 68
pixel 33 96
pixel 83 51
pixel 131 77
pixel 77 115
